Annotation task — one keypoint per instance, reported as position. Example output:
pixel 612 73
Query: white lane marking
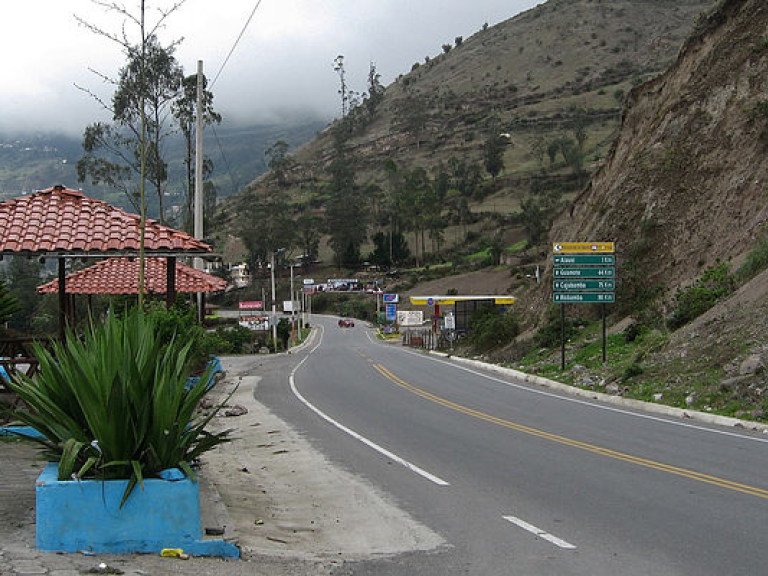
pixel 592 404
pixel 380 449
pixel 560 543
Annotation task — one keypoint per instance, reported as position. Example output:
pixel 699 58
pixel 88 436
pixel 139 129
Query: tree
pixel 389 249
pixel 153 78
pixel 338 66
pixel 493 151
pixel 534 220
pixel 9 305
pixel 210 199
pixel 375 90
pixel 579 129
pixel 265 225
pixel 142 155
pixel 146 87
pixel 308 235
pixel 279 162
pixel 347 212
pixel 23 277
pixel 411 115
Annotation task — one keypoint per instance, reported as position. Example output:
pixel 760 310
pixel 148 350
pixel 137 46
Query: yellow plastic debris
pixel 171 552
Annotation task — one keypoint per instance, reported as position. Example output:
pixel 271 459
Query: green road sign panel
pixel 584 297
pixel 570 285
pixel 584 259
pixel 581 272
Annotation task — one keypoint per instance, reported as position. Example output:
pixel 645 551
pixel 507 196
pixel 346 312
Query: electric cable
pixel 234 46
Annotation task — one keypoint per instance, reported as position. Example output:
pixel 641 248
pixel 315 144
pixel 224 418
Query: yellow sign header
pixel 583 248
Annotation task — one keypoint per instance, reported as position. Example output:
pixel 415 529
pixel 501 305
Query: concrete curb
pixel 639 405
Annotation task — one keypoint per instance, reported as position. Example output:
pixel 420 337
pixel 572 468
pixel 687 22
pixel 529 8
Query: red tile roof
pixel 121 276
pixel 66 221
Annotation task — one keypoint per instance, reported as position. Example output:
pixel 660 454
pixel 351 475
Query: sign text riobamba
pixel 584 297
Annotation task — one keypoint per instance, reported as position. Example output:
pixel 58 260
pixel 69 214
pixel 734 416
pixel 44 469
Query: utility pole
pixel 293 303
pixel 198 216
pixel 272 320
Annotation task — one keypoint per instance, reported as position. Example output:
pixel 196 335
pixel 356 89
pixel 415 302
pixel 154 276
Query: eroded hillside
pixel 682 193
pixel 685 183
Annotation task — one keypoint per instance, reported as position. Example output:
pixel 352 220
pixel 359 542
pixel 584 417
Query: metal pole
pixel 293 302
pixel 562 337
pixel 198 219
pixel 272 320
pixel 605 346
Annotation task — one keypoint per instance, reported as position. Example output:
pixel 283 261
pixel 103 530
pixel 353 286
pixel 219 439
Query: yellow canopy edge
pixel 445 300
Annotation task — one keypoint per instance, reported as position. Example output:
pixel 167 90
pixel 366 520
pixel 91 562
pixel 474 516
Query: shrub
pixel 550 335
pixel 115 404
pixel 715 283
pixel 491 329
pixel 756 261
pixel 631 371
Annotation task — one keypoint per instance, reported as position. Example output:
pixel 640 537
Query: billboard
pixel 410 317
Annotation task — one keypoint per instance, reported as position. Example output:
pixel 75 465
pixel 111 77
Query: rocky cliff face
pixel 685 182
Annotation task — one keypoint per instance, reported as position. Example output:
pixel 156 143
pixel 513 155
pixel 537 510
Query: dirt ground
pixel 285 498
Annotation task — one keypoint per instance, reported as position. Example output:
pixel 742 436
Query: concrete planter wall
pixel 86 516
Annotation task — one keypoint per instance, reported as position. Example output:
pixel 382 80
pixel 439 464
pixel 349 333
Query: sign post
pixel 584 273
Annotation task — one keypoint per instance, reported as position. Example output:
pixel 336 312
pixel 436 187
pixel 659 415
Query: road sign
pixel 584 272
pixel 584 260
pixel 583 297
pixel 583 285
pixel 583 248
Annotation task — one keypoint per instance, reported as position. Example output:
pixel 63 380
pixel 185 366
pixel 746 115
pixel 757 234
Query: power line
pixel 234 46
pixel 234 182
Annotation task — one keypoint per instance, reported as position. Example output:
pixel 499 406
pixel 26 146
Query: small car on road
pixel 346 323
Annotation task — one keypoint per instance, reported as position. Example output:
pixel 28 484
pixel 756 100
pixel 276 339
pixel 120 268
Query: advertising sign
pixel 253 305
pixel 390 298
pixel 391 312
pixel 410 317
pixel 255 322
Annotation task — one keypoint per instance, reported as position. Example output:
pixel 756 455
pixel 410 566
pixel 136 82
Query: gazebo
pixel 62 223
pixel 120 275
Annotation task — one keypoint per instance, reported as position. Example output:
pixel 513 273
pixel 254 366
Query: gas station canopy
pixel 447 300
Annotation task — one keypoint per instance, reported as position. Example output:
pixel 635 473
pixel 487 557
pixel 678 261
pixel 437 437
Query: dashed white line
pixel 560 543
pixel 380 449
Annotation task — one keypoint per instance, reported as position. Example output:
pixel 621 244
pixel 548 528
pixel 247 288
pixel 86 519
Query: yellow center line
pixel 677 471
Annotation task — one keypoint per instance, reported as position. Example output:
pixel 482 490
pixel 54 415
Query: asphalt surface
pixel 537 482
pixel 514 478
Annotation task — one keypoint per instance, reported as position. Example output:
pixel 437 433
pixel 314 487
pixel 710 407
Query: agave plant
pixel 116 405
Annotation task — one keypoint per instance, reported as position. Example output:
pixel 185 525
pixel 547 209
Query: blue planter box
pixel 77 516
pixel 215 365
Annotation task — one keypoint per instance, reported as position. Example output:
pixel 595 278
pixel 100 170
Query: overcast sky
pixel 283 65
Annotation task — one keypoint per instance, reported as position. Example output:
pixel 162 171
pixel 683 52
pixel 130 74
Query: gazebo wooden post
pixel 170 281
pixel 63 315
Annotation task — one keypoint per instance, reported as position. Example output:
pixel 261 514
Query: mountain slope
pixel 532 78
pixel 683 193
pixel 685 183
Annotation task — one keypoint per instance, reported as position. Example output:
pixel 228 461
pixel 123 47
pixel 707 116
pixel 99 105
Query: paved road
pixel 519 480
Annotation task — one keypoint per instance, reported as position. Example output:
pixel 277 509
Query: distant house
pixel 241 276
